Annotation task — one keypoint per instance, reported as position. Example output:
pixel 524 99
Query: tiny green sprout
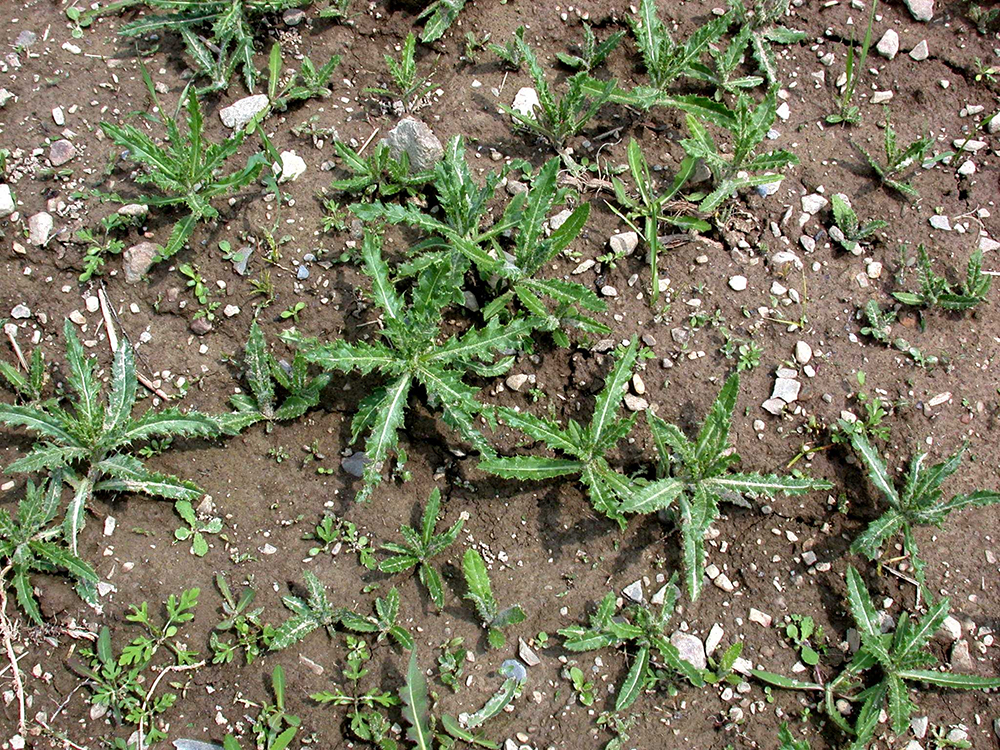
pixel 899 161
pixel 410 88
pixel 584 688
pixel 196 528
pixel 480 593
pixel 935 291
pixel 293 312
pixel 802 631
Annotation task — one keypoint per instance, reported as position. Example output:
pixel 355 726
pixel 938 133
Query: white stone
pixel 559 219
pixel 624 243
pixel 761 618
pixel 691 649
pixel 773 406
pixel 239 113
pixel 722 581
pixel 414 138
pixel 231 311
pixel 783 111
pixel 738 283
pixel 993 125
pixel 874 270
pixel 922 10
pixel 609 291
pixel 987 244
pixel 525 101
pixel 813 203
pixel 291 167
pixel 7 205
pixel 635 403
pixel 634 592
pixel 714 639
pixel 20 312
pixel 109 525
pixel 527 655
pixel 968 168
pixel 881 97
pixel 516 382
pixel 39 228
pixel 919 726
pixel 803 352
pixel 940 222
pixel 888 45
pixel 786 389
pixel 920 52
pixel 968 145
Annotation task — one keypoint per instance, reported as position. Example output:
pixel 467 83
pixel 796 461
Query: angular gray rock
pixel 39 229
pixel 7 205
pixel 412 137
pixel 355 463
pixel 691 649
pixel 920 52
pixel 138 259
pixel 240 112
pixel 61 152
pixel 922 10
pixel 888 45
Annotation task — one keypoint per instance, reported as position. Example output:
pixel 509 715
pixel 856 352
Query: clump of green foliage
pixel 378 173
pixel 917 502
pixel 591 53
pixel 263 374
pixel 29 385
pixel 244 623
pixel 31 543
pixel 896 658
pixel 274 728
pixel 848 229
pixel 666 60
pixel 510 53
pixel 99 247
pixel 411 88
pixel 586 447
pixel 409 353
pixel 748 126
pixel 880 328
pixel 762 23
pixel 440 15
pixel 480 593
pixel 849 113
pixel 187 170
pixel 935 291
pixel 643 632
pixel 696 476
pixel 124 683
pixel 93 443
pixel 308 82
pixel 898 161
pixel 420 546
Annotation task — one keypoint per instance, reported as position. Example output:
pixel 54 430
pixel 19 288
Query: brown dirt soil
pixel 548 550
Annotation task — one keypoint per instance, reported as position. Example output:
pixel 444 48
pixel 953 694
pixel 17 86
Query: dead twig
pixel 370 139
pixel 109 326
pixel 11 330
pixel 152 689
pixel 7 632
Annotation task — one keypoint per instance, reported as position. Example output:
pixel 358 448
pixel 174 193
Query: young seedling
pixel 802 631
pixel 480 593
pixel 102 245
pixel 410 88
pixel 187 170
pixel 666 60
pixel 646 212
pixel 125 683
pixel 196 528
pixel 584 446
pixel 410 352
pixel 27 386
pixel 31 543
pixel 378 173
pixel 935 291
pixel 898 161
pixel 848 112
pixel 917 502
pixel 335 10
pixel 880 328
pixel 274 728
pixel 240 620
pixel 308 82
pixel 898 657
pixel 762 22
pixel 643 632
pixel 308 614
pixel 440 15
pixel 743 168
pixel 366 722
pixel 264 374
pixel 788 741
pixel 419 547
pixel 725 62
pixel 331 531
pixel 93 443
pixel 583 687
pixel 848 229
pixel 510 54
pixel 558 120
pixel 591 54
pixel 697 478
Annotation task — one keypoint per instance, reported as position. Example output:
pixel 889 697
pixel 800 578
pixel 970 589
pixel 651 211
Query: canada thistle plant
pixel 480 593
pixel 696 477
pixel 585 447
pixel 410 353
pixel 917 502
pixel 92 443
pixel 264 375
pixel 378 173
pixel 899 161
pixel 459 241
pixel 935 291
pixel 896 659
pixel 665 59
pixel 187 170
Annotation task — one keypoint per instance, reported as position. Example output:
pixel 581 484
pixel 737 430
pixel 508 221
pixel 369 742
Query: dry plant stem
pixel 9 330
pixel 152 690
pixel 366 143
pixel 113 343
pixel 66 742
pixel 6 630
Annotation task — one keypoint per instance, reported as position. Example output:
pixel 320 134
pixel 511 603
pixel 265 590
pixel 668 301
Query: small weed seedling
pixel 274 728
pixel 801 630
pixel 935 291
pixel 585 446
pixel 644 633
pixel 263 373
pixel 126 683
pixel 848 230
pixel 583 687
pixel 899 657
pixel 240 620
pixel 558 120
pixel 591 53
pixel 440 15
pixel 763 23
pixel 410 352
pixel 308 614
pixel 332 531
pixel 366 721
pixel 918 503
pixel 97 441
pixel 420 546
pixel 195 528
pixel 697 477
pixel 649 210
pixel 725 62
pixel 100 247
pixel 510 54
pixel 378 173
pixel 383 622
pixel 308 82
pixel 292 312
pixel 451 662
pixel 748 126
pixel 848 112
pixel 32 543
pixel 880 328
pixel 666 60
pixel 188 169
pixel 722 670
pixel 410 88
pixel 480 593
pixel 27 386
pixel 898 161
pixel 788 741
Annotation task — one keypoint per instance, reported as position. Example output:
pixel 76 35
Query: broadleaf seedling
pixel 480 593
